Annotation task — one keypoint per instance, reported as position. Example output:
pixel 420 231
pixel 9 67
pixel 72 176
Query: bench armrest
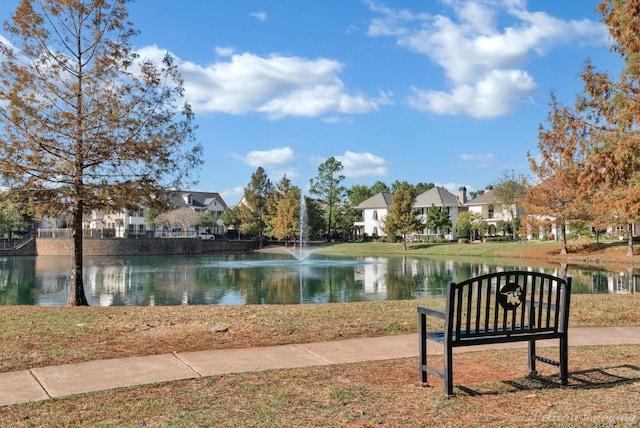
pixel 431 312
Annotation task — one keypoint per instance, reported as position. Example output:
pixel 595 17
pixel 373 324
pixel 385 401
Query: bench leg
pixel 448 370
pixel 564 360
pixel 532 357
pixel 422 349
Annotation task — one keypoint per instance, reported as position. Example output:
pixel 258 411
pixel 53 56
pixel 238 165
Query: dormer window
pixel 188 198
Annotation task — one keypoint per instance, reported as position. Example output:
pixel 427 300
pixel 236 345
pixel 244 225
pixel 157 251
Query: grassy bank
pixel 590 253
pixel 34 336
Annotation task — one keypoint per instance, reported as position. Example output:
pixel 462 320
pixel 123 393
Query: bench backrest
pixel 508 303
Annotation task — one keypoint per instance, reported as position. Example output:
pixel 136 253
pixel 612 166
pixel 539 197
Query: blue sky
pixel 444 91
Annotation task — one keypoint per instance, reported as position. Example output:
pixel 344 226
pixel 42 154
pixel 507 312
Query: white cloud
pixel 277 85
pixel 392 21
pixel 496 95
pixel 337 119
pixel 224 51
pixel 234 194
pixel 274 158
pixel 478 160
pixel 260 16
pixel 481 58
pixel 317 100
pixel 362 164
pixel 292 174
pixel 6 42
pixel 152 53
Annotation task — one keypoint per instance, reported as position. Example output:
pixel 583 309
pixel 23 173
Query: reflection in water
pixel 262 279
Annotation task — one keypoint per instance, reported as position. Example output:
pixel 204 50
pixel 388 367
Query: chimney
pixel 462 195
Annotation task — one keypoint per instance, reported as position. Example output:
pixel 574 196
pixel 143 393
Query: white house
pixel 444 201
pixel 374 210
pixel 488 207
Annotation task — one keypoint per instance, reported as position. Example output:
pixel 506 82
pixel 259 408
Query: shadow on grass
pixel 598 378
pixel 422 246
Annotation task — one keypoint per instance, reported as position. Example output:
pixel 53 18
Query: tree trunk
pixel 77 296
pixel 563 230
pixel 329 226
pixel 404 242
pixel 630 241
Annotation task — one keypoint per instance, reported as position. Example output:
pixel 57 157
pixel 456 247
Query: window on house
pixel 375 214
pixel 138 212
pixel 490 211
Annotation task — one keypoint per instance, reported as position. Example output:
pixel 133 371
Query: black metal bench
pixel 499 307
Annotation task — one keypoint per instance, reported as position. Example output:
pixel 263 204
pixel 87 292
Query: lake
pixel 258 278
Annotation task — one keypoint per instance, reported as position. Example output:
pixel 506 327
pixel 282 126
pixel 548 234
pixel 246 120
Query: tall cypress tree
pixel 85 123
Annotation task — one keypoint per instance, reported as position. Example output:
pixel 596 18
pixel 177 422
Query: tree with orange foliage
pixel 557 168
pixel 610 108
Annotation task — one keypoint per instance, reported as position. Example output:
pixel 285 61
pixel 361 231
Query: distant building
pixel 132 221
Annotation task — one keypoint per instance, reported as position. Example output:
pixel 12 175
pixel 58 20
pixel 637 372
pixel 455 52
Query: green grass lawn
pixel 613 251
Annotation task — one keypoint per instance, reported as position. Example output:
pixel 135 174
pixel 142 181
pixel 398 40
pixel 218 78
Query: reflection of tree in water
pixel 17 279
pixel 281 285
pixel 463 271
pixel 275 286
pixel 155 281
pixel 293 284
pixel 599 280
pixel 208 284
pixel 417 278
pixel 340 284
pixel 438 275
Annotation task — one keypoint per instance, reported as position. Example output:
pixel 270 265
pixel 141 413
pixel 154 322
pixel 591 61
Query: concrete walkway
pixel 59 381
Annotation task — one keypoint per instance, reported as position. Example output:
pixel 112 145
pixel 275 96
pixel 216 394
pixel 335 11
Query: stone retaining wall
pixel 136 247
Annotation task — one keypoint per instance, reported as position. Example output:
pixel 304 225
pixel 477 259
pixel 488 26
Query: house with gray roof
pixel 443 200
pixel 198 201
pixel 490 209
pixel 374 210
pixel 201 202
